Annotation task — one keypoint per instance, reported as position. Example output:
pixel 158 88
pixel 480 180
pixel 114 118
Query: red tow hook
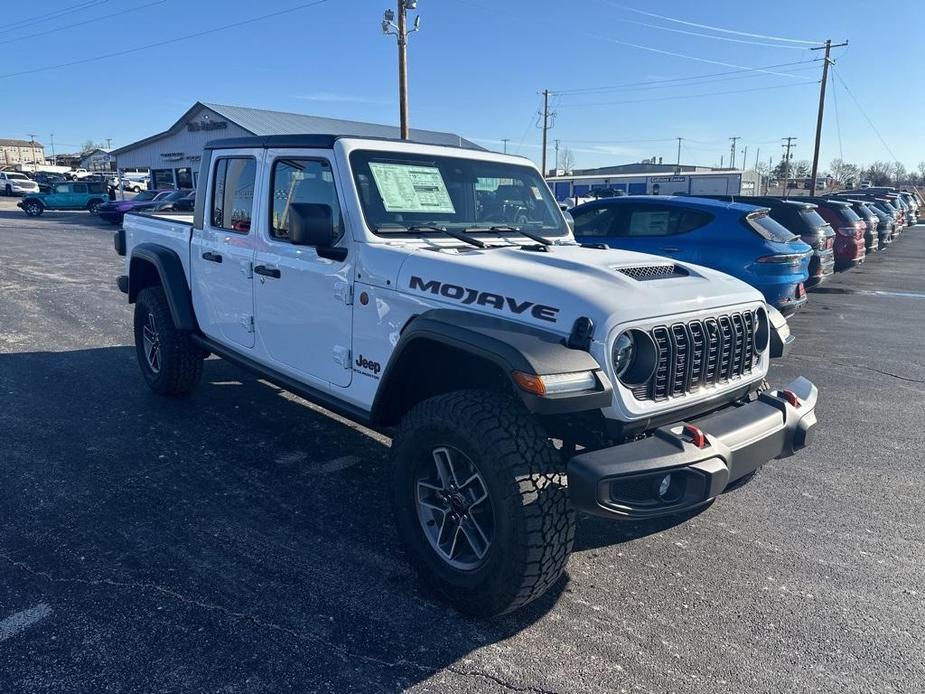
pixel 698 438
pixel 790 397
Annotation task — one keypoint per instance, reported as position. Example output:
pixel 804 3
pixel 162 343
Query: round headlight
pixel 635 357
pixel 624 350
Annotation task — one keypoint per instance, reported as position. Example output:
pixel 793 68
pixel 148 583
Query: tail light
pixel 781 259
pixel 850 232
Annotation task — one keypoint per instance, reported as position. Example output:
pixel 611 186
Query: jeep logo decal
pixel 466 295
pixel 372 366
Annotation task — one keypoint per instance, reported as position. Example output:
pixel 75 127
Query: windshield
pixel 17 177
pixel 147 195
pixel 768 228
pixel 400 190
pixel 813 218
pixel 846 213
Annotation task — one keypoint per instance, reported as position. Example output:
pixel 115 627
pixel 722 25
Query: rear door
pixel 222 252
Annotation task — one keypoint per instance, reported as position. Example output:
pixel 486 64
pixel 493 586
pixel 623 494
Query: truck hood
pixel 551 288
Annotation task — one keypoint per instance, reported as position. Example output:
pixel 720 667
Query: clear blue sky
pixel 476 68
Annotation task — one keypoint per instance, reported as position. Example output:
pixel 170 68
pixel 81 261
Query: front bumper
pixel 629 481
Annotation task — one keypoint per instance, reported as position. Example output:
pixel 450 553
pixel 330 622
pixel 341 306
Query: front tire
pixel 481 501
pixel 170 363
pixel 33 208
pixel 93 206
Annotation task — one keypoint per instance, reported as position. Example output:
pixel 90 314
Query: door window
pixel 301 181
pixel 652 220
pixel 63 189
pixel 233 193
pixel 597 221
pixel 80 188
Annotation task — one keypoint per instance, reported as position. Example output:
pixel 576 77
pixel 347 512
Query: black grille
pixel 643 273
pixel 700 353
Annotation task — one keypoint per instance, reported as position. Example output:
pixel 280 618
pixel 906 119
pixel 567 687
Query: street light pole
pixel 401 32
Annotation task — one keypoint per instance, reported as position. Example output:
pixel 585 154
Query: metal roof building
pixel 173 155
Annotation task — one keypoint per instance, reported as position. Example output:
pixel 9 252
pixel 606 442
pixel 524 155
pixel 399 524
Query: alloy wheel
pixel 454 508
pixel 152 344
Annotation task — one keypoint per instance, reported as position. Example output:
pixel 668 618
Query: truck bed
pixel 170 229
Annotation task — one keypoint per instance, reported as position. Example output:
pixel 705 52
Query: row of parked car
pixel 779 245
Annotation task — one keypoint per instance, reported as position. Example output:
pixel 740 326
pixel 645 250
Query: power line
pixel 167 41
pixel 48 16
pixel 77 24
pixel 714 28
pixel 558 26
pixel 841 152
pixel 690 96
pixel 692 80
pixel 857 103
pixel 700 34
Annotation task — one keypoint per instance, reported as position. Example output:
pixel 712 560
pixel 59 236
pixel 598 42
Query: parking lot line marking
pixel 14 624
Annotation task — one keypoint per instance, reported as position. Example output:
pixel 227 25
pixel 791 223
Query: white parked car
pixel 15 183
pixel 78 174
pixel 136 184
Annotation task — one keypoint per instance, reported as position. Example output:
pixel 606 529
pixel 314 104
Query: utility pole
pixel 678 166
pixel 732 152
pixel 557 157
pixel 757 154
pixel 767 186
pixel 545 124
pixel 54 157
pixel 789 144
pixel 32 145
pixel 505 140
pixel 108 143
pixel 826 60
pixel 744 157
pixel 401 33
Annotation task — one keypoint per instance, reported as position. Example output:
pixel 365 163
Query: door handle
pixel 212 257
pixel 670 249
pixel 267 271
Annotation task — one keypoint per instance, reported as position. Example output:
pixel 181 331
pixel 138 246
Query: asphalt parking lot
pixel 240 540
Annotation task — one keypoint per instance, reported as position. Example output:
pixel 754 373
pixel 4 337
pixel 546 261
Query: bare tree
pixel 921 168
pixel 879 173
pixel 566 160
pixel 801 168
pixel 843 172
pixel 900 173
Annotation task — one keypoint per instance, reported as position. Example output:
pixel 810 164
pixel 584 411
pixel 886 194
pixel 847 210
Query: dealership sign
pixel 668 179
pixel 206 125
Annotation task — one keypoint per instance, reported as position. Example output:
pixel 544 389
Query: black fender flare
pixel 511 347
pixel 169 268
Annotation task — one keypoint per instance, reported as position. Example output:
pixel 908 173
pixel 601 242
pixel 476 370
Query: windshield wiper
pixel 461 236
pixel 500 228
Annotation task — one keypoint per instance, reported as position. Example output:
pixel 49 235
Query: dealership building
pixel 173 156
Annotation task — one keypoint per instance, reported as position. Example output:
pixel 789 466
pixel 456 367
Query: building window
pixel 184 179
pixel 233 193
pixel 162 179
pixel 300 181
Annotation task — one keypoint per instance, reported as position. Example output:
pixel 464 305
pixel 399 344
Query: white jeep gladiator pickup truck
pixel 437 294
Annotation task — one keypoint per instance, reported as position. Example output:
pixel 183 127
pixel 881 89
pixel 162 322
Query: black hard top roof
pixel 312 141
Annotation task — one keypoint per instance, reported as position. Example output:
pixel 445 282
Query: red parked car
pixel 850 246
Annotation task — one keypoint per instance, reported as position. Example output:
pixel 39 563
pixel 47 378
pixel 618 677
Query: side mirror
pixel 312 224
pixel 569 220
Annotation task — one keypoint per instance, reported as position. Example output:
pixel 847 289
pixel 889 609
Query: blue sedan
pixel 738 239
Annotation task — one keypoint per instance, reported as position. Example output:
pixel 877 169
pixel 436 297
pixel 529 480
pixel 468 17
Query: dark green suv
pixel 74 195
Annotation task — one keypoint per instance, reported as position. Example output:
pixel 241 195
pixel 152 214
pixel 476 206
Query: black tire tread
pixel 529 468
pixel 181 360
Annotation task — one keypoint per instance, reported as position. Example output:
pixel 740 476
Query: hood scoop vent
pixel 644 273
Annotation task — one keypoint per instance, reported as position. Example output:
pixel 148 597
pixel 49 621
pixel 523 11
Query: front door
pixel 222 253
pixel 302 299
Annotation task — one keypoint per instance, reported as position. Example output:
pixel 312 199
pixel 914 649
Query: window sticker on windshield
pixel 537 195
pixel 411 188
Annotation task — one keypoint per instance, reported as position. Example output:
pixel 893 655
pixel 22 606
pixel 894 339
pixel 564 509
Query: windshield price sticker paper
pixel 411 188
